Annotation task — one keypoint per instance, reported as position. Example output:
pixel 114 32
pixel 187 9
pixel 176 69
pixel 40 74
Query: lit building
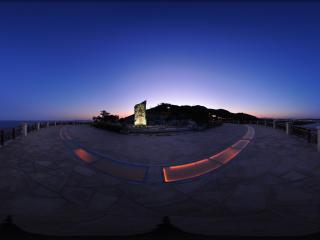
pixel 140 119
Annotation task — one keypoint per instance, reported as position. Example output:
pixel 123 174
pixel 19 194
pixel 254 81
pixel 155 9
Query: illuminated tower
pixel 140 119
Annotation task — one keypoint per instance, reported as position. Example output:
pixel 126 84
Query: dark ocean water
pixel 13 124
pixel 312 125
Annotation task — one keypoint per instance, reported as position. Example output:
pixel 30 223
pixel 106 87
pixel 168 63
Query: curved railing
pixel 295 127
pixel 9 134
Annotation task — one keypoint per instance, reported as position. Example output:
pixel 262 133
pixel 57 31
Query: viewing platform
pixel 246 179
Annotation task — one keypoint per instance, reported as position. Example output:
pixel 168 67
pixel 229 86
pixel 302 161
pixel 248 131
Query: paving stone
pixel 101 202
pixel 77 195
pixel 293 176
pixel 38 175
pixel 154 196
pixel 269 179
pixel 280 170
pixel 43 163
pixel 287 194
pixel 41 209
pixel 42 192
pixel 84 171
pixel 268 188
pixel 91 182
pixel 184 208
pixel 246 199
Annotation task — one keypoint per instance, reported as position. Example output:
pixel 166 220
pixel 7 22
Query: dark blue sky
pixel 71 60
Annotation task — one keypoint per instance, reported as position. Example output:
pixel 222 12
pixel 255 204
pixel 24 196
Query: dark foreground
pixel 77 181
pixel 164 230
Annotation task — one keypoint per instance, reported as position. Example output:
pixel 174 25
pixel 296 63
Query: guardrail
pixel 290 127
pixel 9 134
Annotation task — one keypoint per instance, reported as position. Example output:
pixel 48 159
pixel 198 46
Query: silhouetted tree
pixel 105 117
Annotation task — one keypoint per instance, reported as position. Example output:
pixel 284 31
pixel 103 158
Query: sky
pixel 70 60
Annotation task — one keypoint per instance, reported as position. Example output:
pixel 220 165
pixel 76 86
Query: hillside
pixel 174 114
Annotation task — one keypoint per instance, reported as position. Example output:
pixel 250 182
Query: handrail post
pixel 318 138
pixel 38 126
pixel 309 135
pixel 274 124
pixel 288 128
pixel 13 133
pixel 47 124
pixel 265 123
pixel 1 137
pixel 24 129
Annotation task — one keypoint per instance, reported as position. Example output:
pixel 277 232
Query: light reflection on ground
pixel 201 167
pixel 170 173
pixel 83 155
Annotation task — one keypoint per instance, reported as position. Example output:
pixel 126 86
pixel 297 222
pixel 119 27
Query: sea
pixel 13 124
pixel 312 125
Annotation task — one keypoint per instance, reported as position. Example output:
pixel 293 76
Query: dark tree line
pixel 106 117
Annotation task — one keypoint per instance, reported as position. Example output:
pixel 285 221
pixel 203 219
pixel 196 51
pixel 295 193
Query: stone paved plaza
pixel 76 180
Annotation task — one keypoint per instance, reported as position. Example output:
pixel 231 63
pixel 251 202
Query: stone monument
pixel 140 119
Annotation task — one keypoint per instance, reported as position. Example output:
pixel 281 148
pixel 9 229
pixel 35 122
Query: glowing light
pixel 140 114
pixel 187 171
pixel 122 170
pixel 189 164
pixel 201 167
pixel 83 155
pixel 198 168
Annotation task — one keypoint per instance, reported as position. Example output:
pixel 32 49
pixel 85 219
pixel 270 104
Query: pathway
pixel 271 187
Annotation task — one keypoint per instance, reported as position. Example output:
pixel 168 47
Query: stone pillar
pixel 288 128
pixel 47 124
pixel 55 124
pixel 38 126
pixel 24 130
pixel 274 123
pixel 318 137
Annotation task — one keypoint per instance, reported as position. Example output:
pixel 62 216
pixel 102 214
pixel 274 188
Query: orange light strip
pixel 189 164
pixel 172 175
pixel 201 167
pixel 165 175
pixel 198 168
pixel 83 155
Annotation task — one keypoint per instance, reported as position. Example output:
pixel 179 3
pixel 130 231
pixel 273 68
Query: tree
pixel 104 114
pixel 105 117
